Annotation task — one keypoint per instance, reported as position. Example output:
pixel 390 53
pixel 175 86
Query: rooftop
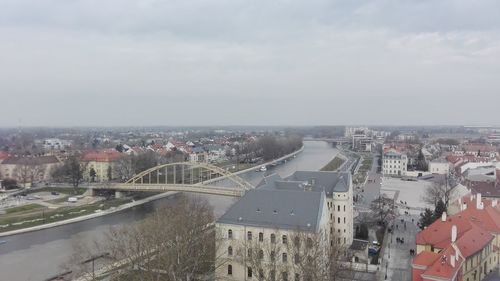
pixel 285 209
pixel 317 181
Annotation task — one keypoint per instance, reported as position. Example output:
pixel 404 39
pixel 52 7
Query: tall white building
pixel 394 163
pixel 277 212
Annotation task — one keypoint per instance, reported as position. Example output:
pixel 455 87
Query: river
pixel 41 254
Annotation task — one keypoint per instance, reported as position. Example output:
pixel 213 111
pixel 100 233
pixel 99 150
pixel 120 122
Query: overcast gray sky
pixel 249 62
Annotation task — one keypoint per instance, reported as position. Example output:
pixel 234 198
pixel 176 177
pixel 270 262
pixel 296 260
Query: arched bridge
pixel 183 177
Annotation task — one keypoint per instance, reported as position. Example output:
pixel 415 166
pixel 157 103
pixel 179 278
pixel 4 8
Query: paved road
pixel 396 262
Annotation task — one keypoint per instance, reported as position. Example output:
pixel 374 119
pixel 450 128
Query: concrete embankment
pixel 90 216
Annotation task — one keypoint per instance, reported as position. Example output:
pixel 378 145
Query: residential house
pixel 462 247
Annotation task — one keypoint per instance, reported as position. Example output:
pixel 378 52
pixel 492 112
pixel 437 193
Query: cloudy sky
pixel 249 62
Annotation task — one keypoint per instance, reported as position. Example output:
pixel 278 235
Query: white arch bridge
pixel 182 177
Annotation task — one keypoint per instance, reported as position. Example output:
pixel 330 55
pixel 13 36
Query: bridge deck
pixel 225 191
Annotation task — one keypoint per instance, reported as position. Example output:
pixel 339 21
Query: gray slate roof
pixel 284 209
pixel 318 181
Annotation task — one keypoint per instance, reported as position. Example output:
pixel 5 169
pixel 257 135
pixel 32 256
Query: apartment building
pixel 102 162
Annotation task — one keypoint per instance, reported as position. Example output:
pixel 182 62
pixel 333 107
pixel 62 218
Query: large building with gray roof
pixel 306 201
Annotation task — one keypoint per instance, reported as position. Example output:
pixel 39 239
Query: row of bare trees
pixel 178 242
pixel 306 256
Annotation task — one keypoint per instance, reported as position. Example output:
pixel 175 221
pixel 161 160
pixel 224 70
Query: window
pixel 297 259
pixel 284 257
pixel 284 276
pixel 273 255
pixel 296 241
pixel 338 219
pixel 284 239
pixel 344 219
pixel 309 242
pixel 249 253
pixel 229 269
pixel 230 234
pixel 249 272
pixel 297 277
pixel 261 273
pixel 338 207
pixel 261 236
pixel 273 238
pixel 261 254
pixel 273 275
pixel 344 208
pixel 249 235
pixel 229 251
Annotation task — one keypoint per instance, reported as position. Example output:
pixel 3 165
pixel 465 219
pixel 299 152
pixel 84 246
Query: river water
pixel 41 254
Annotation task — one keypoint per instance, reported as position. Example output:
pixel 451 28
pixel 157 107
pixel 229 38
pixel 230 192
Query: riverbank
pixel 131 204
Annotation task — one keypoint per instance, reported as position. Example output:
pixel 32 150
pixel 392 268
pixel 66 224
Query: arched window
pixel 284 239
pixel 284 257
pixel 229 251
pixel 273 238
pixel 296 241
pixel 261 236
pixel 229 269
pixel 249 272
pixel 230 234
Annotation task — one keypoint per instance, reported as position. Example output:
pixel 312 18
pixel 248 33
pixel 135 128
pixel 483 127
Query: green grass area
pixel 64 190
pixel 24 208
pixel 333 165
pixel 58 200
pixel 49 216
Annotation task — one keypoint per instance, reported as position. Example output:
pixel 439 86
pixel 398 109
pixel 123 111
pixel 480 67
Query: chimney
pixel 453 233
pixel 443 216
pixel 452 259
pixel 479 203
pixel 494 203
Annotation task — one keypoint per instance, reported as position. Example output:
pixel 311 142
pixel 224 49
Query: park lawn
pixel 24 208
pixel 58 200
pixel 59 214
pixel 333 165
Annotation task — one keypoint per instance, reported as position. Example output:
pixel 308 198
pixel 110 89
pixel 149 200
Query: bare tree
pixel 72 171
pixel 439 190
pixel 176 242
pixel 292 255
pixel 23 173
pixel 382 209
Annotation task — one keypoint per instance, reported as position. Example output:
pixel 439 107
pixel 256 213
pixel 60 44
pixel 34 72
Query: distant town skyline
pixel 218 63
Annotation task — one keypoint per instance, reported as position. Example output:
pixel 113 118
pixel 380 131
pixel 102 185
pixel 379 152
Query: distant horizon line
pixel 232 126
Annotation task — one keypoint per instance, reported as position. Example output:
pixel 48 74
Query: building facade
pixel 394 163
pixel 463 247
pixel 102 163
pixel 279 212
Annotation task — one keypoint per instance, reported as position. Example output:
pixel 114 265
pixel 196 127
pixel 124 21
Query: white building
pixel 279 211
pixel 439 166
pixel 394 163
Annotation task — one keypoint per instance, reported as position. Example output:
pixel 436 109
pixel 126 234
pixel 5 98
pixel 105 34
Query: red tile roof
pixel 442 266
pixel 109 155
pixel 3 154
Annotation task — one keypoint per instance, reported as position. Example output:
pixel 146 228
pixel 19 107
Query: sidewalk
pixel 396 259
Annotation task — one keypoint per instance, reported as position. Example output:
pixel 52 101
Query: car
pixel 54 193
